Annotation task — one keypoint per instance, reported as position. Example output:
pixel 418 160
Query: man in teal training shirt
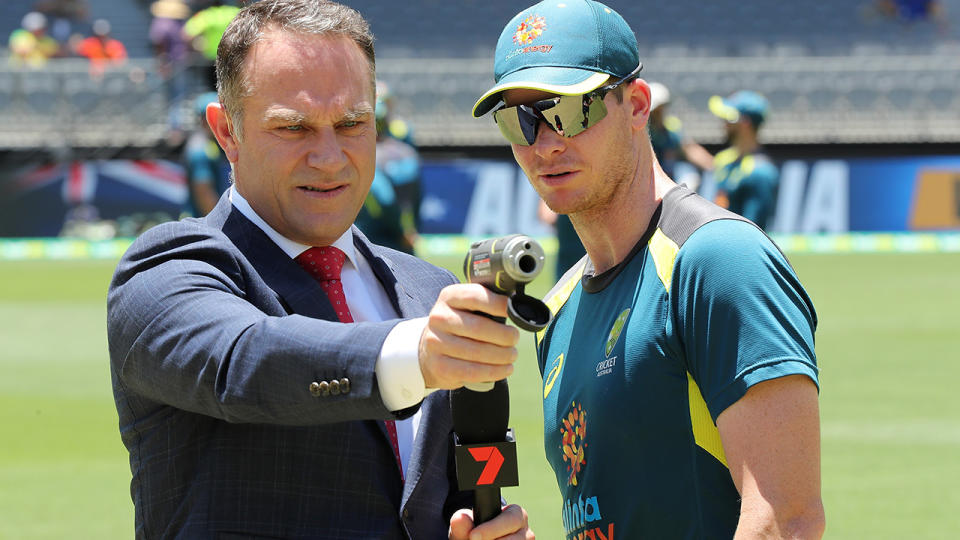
pixel 746 177
pixel 680 383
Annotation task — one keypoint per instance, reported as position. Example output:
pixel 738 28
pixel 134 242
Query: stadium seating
pixel 129 20
pixel 435 28
pixel 64 106
pixel 833 71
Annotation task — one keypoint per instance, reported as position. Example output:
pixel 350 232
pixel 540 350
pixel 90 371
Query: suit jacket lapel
pixel 430 444
pixel 297 290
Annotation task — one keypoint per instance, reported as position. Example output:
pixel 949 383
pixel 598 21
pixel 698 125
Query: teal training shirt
pixel 750 181
pixel 641 360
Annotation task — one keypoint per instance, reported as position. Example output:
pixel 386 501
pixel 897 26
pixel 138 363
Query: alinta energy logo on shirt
pixel 582 520
pixel 581 517
pixel 573 434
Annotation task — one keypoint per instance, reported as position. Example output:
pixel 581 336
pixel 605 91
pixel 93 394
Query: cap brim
pixel 562 81
pixel 720 108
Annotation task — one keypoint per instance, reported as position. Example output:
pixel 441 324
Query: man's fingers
pixel 460 524
pixel 449 373
pixel 468 349
pixel 511 524
pixel 472 325
pixel 474 297
pixel 458 346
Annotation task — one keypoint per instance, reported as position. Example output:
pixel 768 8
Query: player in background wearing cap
pixel 679 375
pixel 666 135
pixel 391 212
pixel 746 177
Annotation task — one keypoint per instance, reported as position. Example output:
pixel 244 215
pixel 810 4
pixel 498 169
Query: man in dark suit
pixel 260 397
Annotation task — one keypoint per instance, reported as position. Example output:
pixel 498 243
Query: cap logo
pixel 530 29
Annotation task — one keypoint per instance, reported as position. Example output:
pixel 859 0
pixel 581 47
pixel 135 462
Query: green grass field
pixel 887 344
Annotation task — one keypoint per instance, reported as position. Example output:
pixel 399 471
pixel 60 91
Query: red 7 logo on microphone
pixel 494 460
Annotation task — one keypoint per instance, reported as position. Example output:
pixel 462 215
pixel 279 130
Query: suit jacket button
pixel 406 513
pixel 335 387
pixel 324 388
pixel 345 385
pixel 315 389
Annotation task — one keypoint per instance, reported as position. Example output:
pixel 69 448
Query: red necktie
pixel 325 264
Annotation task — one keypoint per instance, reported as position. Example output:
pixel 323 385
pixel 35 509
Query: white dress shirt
pixel 398 366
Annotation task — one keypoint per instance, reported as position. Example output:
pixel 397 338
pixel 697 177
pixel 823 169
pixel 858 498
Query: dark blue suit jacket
pixel 215 338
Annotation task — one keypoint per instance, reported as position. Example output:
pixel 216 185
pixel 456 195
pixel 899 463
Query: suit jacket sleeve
pixel 192 324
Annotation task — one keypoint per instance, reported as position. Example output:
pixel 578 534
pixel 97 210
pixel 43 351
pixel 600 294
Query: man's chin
pixel 321 232
pixel 564 205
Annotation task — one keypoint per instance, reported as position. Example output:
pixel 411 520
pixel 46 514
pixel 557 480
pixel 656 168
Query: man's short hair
pixel 309 17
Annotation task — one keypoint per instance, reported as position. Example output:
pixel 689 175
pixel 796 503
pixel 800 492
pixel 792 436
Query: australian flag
pixel 37 200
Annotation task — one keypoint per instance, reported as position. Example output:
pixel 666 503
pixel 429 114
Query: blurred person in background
pixel 204 29
pixel 381 218
pixel 746 177
pixel 30 46
pixel 391 213
pixel 64 17
pixel 101 49
pixel 171 50
pixel 680 383
pixel 666 135
pixel 388 123
pixel 911 12
pixel 276 374
pixel 208 171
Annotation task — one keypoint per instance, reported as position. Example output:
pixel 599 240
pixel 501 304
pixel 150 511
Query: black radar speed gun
pixel 505 265
pixel 485 448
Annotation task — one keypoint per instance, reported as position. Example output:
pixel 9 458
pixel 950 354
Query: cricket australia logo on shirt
pixel 606 365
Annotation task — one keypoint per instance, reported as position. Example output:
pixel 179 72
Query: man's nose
pixel 325 152
pixel 548 141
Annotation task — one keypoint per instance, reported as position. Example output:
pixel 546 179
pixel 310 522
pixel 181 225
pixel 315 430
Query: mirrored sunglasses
pixel 569 116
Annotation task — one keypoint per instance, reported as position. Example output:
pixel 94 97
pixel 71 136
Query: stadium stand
pixel 835 72
pixel 690 27
pixel 61 106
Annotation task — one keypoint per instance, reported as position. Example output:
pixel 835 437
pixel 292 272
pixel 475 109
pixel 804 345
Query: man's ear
pixel 637 94
pixel 222 127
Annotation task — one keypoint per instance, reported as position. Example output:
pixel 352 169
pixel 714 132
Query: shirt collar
pixel 291 248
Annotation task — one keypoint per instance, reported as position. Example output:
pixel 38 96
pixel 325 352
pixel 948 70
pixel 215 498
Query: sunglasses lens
pixel 595 112
pixel 517 125
pixel 566 115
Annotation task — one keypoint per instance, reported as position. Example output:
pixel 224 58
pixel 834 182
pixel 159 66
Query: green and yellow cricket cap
pixel 565 47
pixel 743 103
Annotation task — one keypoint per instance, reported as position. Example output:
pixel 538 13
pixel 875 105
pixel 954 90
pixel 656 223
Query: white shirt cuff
pixel 398 367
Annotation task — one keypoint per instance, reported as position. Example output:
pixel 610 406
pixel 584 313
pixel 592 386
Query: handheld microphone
pixel 484 447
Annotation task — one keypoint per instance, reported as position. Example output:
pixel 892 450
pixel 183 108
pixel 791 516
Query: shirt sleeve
pixel 741 315
pixel 398 366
